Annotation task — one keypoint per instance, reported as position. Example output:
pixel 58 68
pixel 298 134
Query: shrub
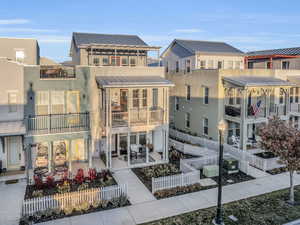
pixel 119 201
pixel 104 204
pixel 83 187
pixel 68 210
pixel 50 181
pixel 64 187
pixel 160 170
pixel 79 178
pixel 177 190
pixel 38 182
pixel 92 174
pixel 37 193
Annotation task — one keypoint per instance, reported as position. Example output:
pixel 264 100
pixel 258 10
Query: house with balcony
pixel 128 99
pixel 57 118
pixel 282 59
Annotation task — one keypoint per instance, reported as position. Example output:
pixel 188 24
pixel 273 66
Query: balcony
pixel 58 123
pixel 232 111
pixel 278 110
pixel 57 72
pixel 295 107
pixel 139 116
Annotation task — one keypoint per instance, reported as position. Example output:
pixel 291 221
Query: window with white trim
pixel 20 56
pixel 42 103
pixel 135 98
pixel 12 102
pixel 57 102
pixel 205 126
pixel 177 67
pixel 188 92
pixel 285 65
pixel 220 65
pixel 206 95
pixel 144 97
pixel 188 65
pixel 176 103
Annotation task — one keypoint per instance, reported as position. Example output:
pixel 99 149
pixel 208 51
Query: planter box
pixel 211 171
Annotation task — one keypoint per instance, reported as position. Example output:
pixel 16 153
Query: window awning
pixel 132 81
pixel 10 128
pixel 252 81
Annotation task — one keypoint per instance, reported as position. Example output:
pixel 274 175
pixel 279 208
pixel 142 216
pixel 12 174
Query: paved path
pixel 154 210
pixel 137 191
pixel 11 196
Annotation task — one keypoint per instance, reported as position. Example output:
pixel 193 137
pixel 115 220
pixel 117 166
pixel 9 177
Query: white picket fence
pixel 71 199
pixel 179 180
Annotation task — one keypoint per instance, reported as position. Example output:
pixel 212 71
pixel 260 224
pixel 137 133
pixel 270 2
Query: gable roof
pixel 280 51
pixel 108 39
pixel 193 46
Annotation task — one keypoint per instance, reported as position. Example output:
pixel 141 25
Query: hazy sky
pixel 248 25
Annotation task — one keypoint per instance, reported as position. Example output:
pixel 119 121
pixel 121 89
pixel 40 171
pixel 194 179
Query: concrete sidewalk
pixel 158 209
pixel 137 191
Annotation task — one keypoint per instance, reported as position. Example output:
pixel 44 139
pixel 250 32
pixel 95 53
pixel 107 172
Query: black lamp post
pixel 221 127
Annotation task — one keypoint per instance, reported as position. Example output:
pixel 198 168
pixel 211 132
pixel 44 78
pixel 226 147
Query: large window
pixel 144 98
pixel 281 96
pixel 124 61
pixel 206 95
pixel 294 95
pixel 42 103
pixel 205 126
pixel 250 65
pixel 285 65
pixel 188 92
pixel 187 120
pixel 105 60
pixel 12 102
pixel 57 102
pixel 154 97
pixel 135 98
pixel 96 61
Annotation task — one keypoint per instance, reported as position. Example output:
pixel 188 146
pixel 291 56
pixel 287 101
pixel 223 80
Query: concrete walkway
pixel 11 196
pixel 137 191
pixel 154 210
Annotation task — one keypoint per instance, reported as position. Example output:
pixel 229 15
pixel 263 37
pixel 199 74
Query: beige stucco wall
pixel 9 46
pixel 11 80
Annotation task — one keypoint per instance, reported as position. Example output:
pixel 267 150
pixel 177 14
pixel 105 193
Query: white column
pixel 243 123
pixel 147 149
pixel 70 155
pixel 128 148
pixel 88 148
pixel 49 156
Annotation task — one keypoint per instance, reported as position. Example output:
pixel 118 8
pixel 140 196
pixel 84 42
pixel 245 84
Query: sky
pixel 247 25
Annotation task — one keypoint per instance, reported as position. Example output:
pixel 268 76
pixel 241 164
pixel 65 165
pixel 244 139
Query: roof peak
pixel 105 34
pixel 178 39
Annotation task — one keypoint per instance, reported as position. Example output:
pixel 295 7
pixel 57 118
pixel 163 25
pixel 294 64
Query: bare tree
pixel 284 141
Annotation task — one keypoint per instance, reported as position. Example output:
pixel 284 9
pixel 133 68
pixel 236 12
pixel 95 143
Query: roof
pixel 9 128
pixel 128 81
pixel 252 81
pixel 280 51
pixel 107 39
pixel 193 46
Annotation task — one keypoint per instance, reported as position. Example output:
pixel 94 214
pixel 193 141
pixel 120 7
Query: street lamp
pixel 221 127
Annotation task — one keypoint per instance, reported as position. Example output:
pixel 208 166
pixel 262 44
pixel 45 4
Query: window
pixel 57 102
pixel 220 64
pixel 73 101
pixel 188 65
pixel 206 95
pixel 210 64
pixel 154 97
pixel 167 67
pixel 132 62
pixel 205 126
pixel 144 98
pixel 12 102
pixel 135 98
pixel 96 61
pixel 124 61
pixel 285 65
pixel 268 65
pixel 20 55
pixel 291 95
pixel 202 64
pixel 115 60
pixel 250 65
pixel 187 120
pixel 296 95
pixel 42 102
pixel 230 64
pixel 231 97
pixel 176 103
pixel 281 97
pixel 177 67
pixel 142 139
pixel 133 139
pixel 105 61
pixel 237 64
pixel 188 92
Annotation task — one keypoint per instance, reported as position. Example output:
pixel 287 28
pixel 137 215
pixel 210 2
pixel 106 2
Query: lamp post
pixel 221 127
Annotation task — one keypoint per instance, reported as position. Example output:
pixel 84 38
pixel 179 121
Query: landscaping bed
pixel 175 156
pixel 267 209
pixel 145 174
pixel 80 209
pixel 232 178
pixel 51 187
pixel 277 170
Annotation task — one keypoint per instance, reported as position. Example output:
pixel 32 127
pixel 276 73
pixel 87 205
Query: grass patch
pixel 267 209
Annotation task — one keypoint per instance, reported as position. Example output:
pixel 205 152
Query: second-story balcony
pixel 57 72
pixel 137 117
pixel 58 123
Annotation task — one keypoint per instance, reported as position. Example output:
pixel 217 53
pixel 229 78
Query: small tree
pixel 284 141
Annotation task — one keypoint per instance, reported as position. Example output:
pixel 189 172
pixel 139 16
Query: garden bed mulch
pixel 46 189
pixel 267 209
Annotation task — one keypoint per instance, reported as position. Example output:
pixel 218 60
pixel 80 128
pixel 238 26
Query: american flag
pixel 256 107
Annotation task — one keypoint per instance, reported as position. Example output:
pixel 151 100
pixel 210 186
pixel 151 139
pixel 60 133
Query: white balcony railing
pixel 295 107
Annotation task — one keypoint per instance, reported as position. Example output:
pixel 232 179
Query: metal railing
pixel 55 72
pixel 58 123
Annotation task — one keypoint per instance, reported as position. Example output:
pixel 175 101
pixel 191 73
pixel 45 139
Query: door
pixel 14 146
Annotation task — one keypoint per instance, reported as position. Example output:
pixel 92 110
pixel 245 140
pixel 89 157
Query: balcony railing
pixel 58 123
pixel 278 110
pixel 55 72
pixel 232 111
pixel 257 113
pixel 138 116
pixel 295 107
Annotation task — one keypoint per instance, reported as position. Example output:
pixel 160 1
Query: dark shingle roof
pixel 250 81
pixel 120 81
pixel 207 46
pixel 110 39
pixel 281 51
